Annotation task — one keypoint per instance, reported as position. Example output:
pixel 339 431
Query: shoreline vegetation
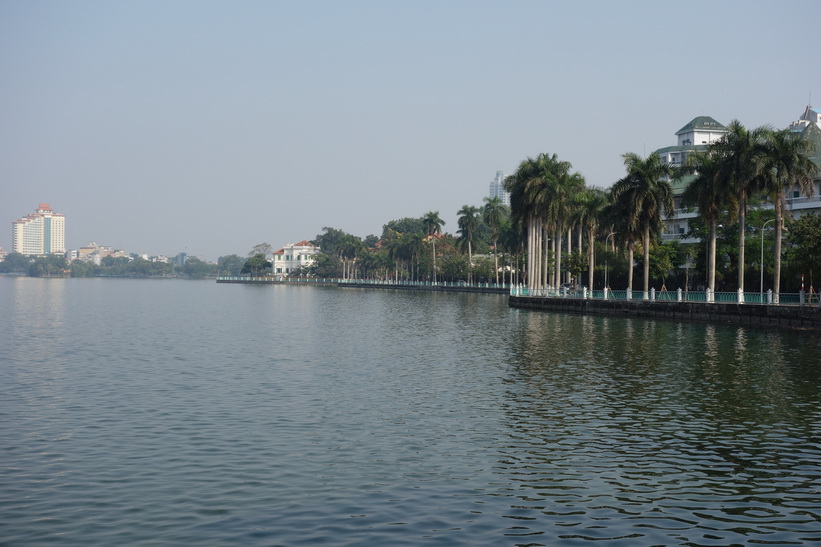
pixel 559 232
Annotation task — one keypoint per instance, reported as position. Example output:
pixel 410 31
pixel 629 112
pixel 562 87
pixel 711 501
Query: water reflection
pixel 672 433
pixel 37 310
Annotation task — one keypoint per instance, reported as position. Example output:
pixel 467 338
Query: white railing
pixel 801 298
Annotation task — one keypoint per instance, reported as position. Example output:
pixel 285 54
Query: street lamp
pixel 761 264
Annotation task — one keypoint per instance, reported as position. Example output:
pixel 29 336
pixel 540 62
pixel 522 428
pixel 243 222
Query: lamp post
pixel 761 266
pixel 611 234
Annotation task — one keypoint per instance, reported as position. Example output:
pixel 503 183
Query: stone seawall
pixel 792 317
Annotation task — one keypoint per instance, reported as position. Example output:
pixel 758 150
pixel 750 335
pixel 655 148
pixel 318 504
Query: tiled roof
pixel 703 123
pixel 679 148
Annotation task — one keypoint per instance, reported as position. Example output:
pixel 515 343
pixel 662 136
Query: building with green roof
pixel 695 136
pixel 703 130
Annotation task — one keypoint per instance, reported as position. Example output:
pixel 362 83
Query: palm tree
pixel 740 152
pixel 525 213
pixel 433 225
pixel 563 188
pixel 646 196
pixel 494 214
pixel 513 238
pixel 708 191
pixel 591 204
pixel 541 196
pixel 785 162
pixel 468 221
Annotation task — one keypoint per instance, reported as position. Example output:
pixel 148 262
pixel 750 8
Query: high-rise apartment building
pixel 40 233
pixel 497 189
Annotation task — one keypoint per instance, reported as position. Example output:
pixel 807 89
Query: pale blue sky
pixel 208 127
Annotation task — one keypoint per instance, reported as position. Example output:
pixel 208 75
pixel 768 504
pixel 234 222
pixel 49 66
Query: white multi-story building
pixel 497 189
pixel 294 257
pixel 39 233
pixel 808 127
pixel 695 136
pixel 702 131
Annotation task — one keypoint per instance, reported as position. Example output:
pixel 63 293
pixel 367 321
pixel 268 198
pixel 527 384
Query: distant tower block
pixel 497 188
pixel 40 233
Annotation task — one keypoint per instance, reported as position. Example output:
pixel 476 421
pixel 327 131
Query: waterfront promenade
pixel 786 310
pixel 442 286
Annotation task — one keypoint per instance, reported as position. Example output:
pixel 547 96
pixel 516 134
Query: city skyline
pixel 207 127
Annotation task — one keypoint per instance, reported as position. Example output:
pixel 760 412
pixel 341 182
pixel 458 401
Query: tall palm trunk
pixel 742 229
pixel 433 251
pixel 779 219
pixel 630 247
pixel 646 243
pixel 591 255
pixel 496 258
pixel 558 258
pixel 711 257
pixel 545 259
pixel 531 253
pixel 569 251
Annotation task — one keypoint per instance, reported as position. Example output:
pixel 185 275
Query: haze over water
pixel 190 413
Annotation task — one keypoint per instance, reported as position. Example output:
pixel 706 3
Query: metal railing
pixel 769 298
pixel 375 282
pixel 422 284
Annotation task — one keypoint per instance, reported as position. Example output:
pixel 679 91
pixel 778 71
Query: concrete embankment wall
pixel 437 288
pixel 794 317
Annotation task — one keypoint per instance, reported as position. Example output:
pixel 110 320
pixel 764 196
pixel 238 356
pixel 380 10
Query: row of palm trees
pixel 549 201
pixel 493 214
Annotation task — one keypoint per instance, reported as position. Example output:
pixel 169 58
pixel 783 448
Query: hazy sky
pixel 209 126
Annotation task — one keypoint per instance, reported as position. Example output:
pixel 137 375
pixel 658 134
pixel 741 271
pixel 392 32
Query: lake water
pixel 171 412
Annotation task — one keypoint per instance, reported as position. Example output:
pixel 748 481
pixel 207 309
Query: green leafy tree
pixel 230 265
pixel 405 225
pixel 664 258
pixel 48 266
pixel 15 262
pixel 805 243
pixel 256 265
pixel 81 269
pixel 576 264
pixel 455 267
pixel 371 241
pixel 325 266
pixel 261 248
pixel 198 269
pixel 114 266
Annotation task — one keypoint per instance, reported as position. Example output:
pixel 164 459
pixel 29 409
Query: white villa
pixel 294 257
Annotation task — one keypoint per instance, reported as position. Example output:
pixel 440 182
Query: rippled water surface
pixel 190 413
